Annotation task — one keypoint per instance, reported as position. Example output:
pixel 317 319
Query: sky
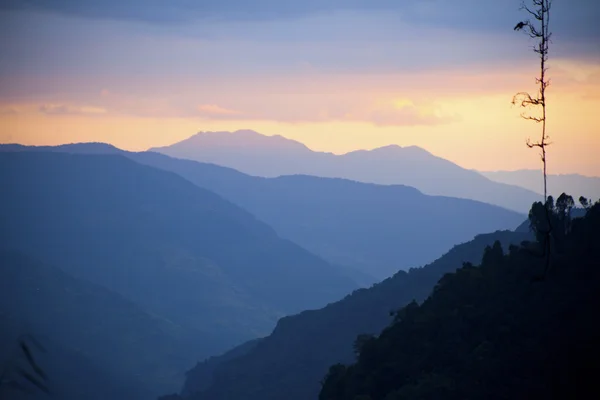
pixel 336 75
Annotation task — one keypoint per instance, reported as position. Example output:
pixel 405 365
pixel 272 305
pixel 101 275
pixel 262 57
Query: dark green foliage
pixel 555 224
pixel 585 203
pixel 494 331
pixel 290 363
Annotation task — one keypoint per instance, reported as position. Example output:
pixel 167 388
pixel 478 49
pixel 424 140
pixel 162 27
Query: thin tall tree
pixel 537 28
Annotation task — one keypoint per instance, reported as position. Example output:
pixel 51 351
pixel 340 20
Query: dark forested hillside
pixel 179 251
pixel 373 229
pixel 292 361
pixel 95 340
pixel 509 329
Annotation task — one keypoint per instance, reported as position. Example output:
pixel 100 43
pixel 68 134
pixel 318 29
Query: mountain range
pixel 511 327
pixel 131 266
pixel 576 184
pixel 374 230
pixel 271 156
pixel 79 323
pixel 291 362
pixel 180 253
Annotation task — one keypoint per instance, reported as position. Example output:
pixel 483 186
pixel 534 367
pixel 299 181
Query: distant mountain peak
pixel 394 148
pixel 394 151
pixel 389 147
pixel 270 156
pixel 243 138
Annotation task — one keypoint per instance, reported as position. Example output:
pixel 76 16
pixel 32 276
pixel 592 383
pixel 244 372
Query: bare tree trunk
pixel 537 28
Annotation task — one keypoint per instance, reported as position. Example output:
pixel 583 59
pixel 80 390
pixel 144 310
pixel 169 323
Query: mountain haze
pixel 107 333
pixel 578 185
pixel 177 250
pixel 297 355
pixel 271 156
pixel 373 229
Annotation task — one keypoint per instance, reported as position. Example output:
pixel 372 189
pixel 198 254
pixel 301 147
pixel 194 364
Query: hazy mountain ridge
pixel 374 229
pixel 242 139
pixel 71 376
pixel 296 356
pixel 576 184
pixel 177 250
pixel 411 166
pixel 80 319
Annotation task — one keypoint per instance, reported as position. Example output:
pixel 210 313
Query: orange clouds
pixel 402 113
pixel 462 115
pixel 64 109
pixel 381 112
pixel 213 110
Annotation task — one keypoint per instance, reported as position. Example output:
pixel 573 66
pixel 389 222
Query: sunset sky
pixel 335 75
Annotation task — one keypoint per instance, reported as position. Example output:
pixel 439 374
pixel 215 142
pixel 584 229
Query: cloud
pixel 336 109
pixel 213 110
pixel 576 78
pixel 63 109
pixel 9 110
pixel 575 18
pixel 403 112
pixel 432 36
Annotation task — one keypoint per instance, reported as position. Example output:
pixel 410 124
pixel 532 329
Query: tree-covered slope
pixel 509 329
pixel 178 250
pixel 291 362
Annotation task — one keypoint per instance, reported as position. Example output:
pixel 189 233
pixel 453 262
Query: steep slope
pixel 90 331
pixel 71 376
pixel 292 361
pixel 374 229
pixel 200 377
pixel 579 185
pixel 509 329
pixel 271 156
pixel 178 250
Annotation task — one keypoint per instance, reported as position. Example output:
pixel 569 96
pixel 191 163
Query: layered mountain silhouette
pixel 373 229
pixel 180 252
pixel 578 185
pixel 292 361
pixel 97 344
pixel 70 375
pixel 270 156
